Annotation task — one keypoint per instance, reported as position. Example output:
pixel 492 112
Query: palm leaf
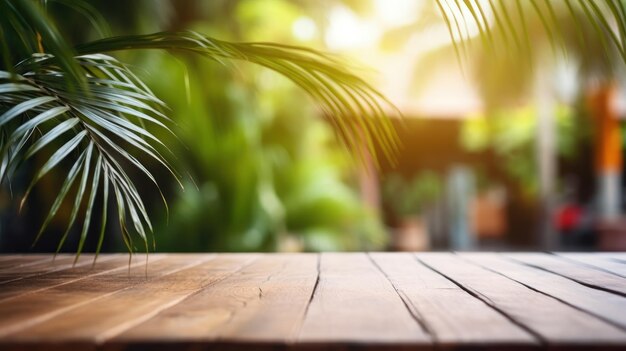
pixel 605 20
pixel 103 126
pixel 28 21
pixel 90 111
pixel 349 102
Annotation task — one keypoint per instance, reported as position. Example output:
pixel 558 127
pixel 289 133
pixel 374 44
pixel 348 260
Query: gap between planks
pixel 549 319
pixel 595 303
pixel 355 303
pixel 578 272
pixel 318 290
pixel 450 314
pixel 596 261
pixel 262 302
pixel 598 303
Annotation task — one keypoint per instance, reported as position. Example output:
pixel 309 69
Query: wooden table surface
pixel 376 301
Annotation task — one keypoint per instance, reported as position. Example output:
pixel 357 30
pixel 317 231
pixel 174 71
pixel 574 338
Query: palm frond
pixel 516 25
pixel 89 111
pixel 32 31
pixel 102 132
pixel 357 110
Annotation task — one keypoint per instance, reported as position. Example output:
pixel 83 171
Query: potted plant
pixel 407 201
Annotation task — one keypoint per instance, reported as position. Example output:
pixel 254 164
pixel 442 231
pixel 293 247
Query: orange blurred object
pixel 608 138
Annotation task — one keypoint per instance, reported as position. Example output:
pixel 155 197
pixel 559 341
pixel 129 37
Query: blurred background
pixel 497 152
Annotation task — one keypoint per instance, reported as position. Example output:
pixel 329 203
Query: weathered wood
pixel 546 317
pixel 32 264
pixel 354 302
pixel 600 303
pixel 450 314
pixel 263 302
pixel 84 269
pixel 330 301
pixel 126 308
pixel 45 265
pixel 618 256
pixel 26 310
pixel 12 261
pixel 598 261
pixel 578 272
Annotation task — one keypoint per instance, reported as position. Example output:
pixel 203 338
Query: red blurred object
pixel 568 217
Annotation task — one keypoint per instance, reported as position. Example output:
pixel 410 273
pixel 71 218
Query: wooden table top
pixel 376 301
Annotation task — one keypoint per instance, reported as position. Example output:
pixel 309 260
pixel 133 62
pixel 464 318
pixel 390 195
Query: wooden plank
pixel 45 265
pixel 12 256
pixel 597 261
pixel 597 302
pixel 551 320
pixel 377 301
pixel 82 270
pixel 264 302
pixel 354 302
pixel 578 272
pixel 450 314
pixel 13 261
pixel 25 310
pixel 618 256
pixel 110 315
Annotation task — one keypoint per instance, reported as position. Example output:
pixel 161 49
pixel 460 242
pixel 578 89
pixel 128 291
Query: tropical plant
pixel 90 111
pixel 410 197
pixel 510 28
pixel 290 188
pixel 518 48
pixel 85 108
pixel 511 135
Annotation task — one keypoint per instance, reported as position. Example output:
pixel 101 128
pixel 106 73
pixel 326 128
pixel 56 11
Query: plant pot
pixel 411 234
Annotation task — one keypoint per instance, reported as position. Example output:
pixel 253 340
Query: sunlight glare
pixel 397 12
pixel 304 28
pixel 347 31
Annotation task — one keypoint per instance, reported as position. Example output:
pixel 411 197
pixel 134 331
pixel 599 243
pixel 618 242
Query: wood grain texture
pixel 264 301
pixel 12 261
pixel 26 310
pixel 546 317
pixel 354 302
pixel 83 269
pixel 176 277
pixel 34 267
pixel 580 273
pixel 598 261
pixel 619 256
pixel 450 314
pixel 603 304
pixel 329 301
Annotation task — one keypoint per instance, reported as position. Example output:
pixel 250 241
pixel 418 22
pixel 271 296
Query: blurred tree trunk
pixel 546 159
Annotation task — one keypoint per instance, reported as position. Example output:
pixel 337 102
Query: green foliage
pixel 511 134
pixel 410 197
pixel 91 113
pixel 26 29
pixel 88 114
pixel 353 106
pixel 98 129
pixel 512 43
pixel 511 28
pixel 264 176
